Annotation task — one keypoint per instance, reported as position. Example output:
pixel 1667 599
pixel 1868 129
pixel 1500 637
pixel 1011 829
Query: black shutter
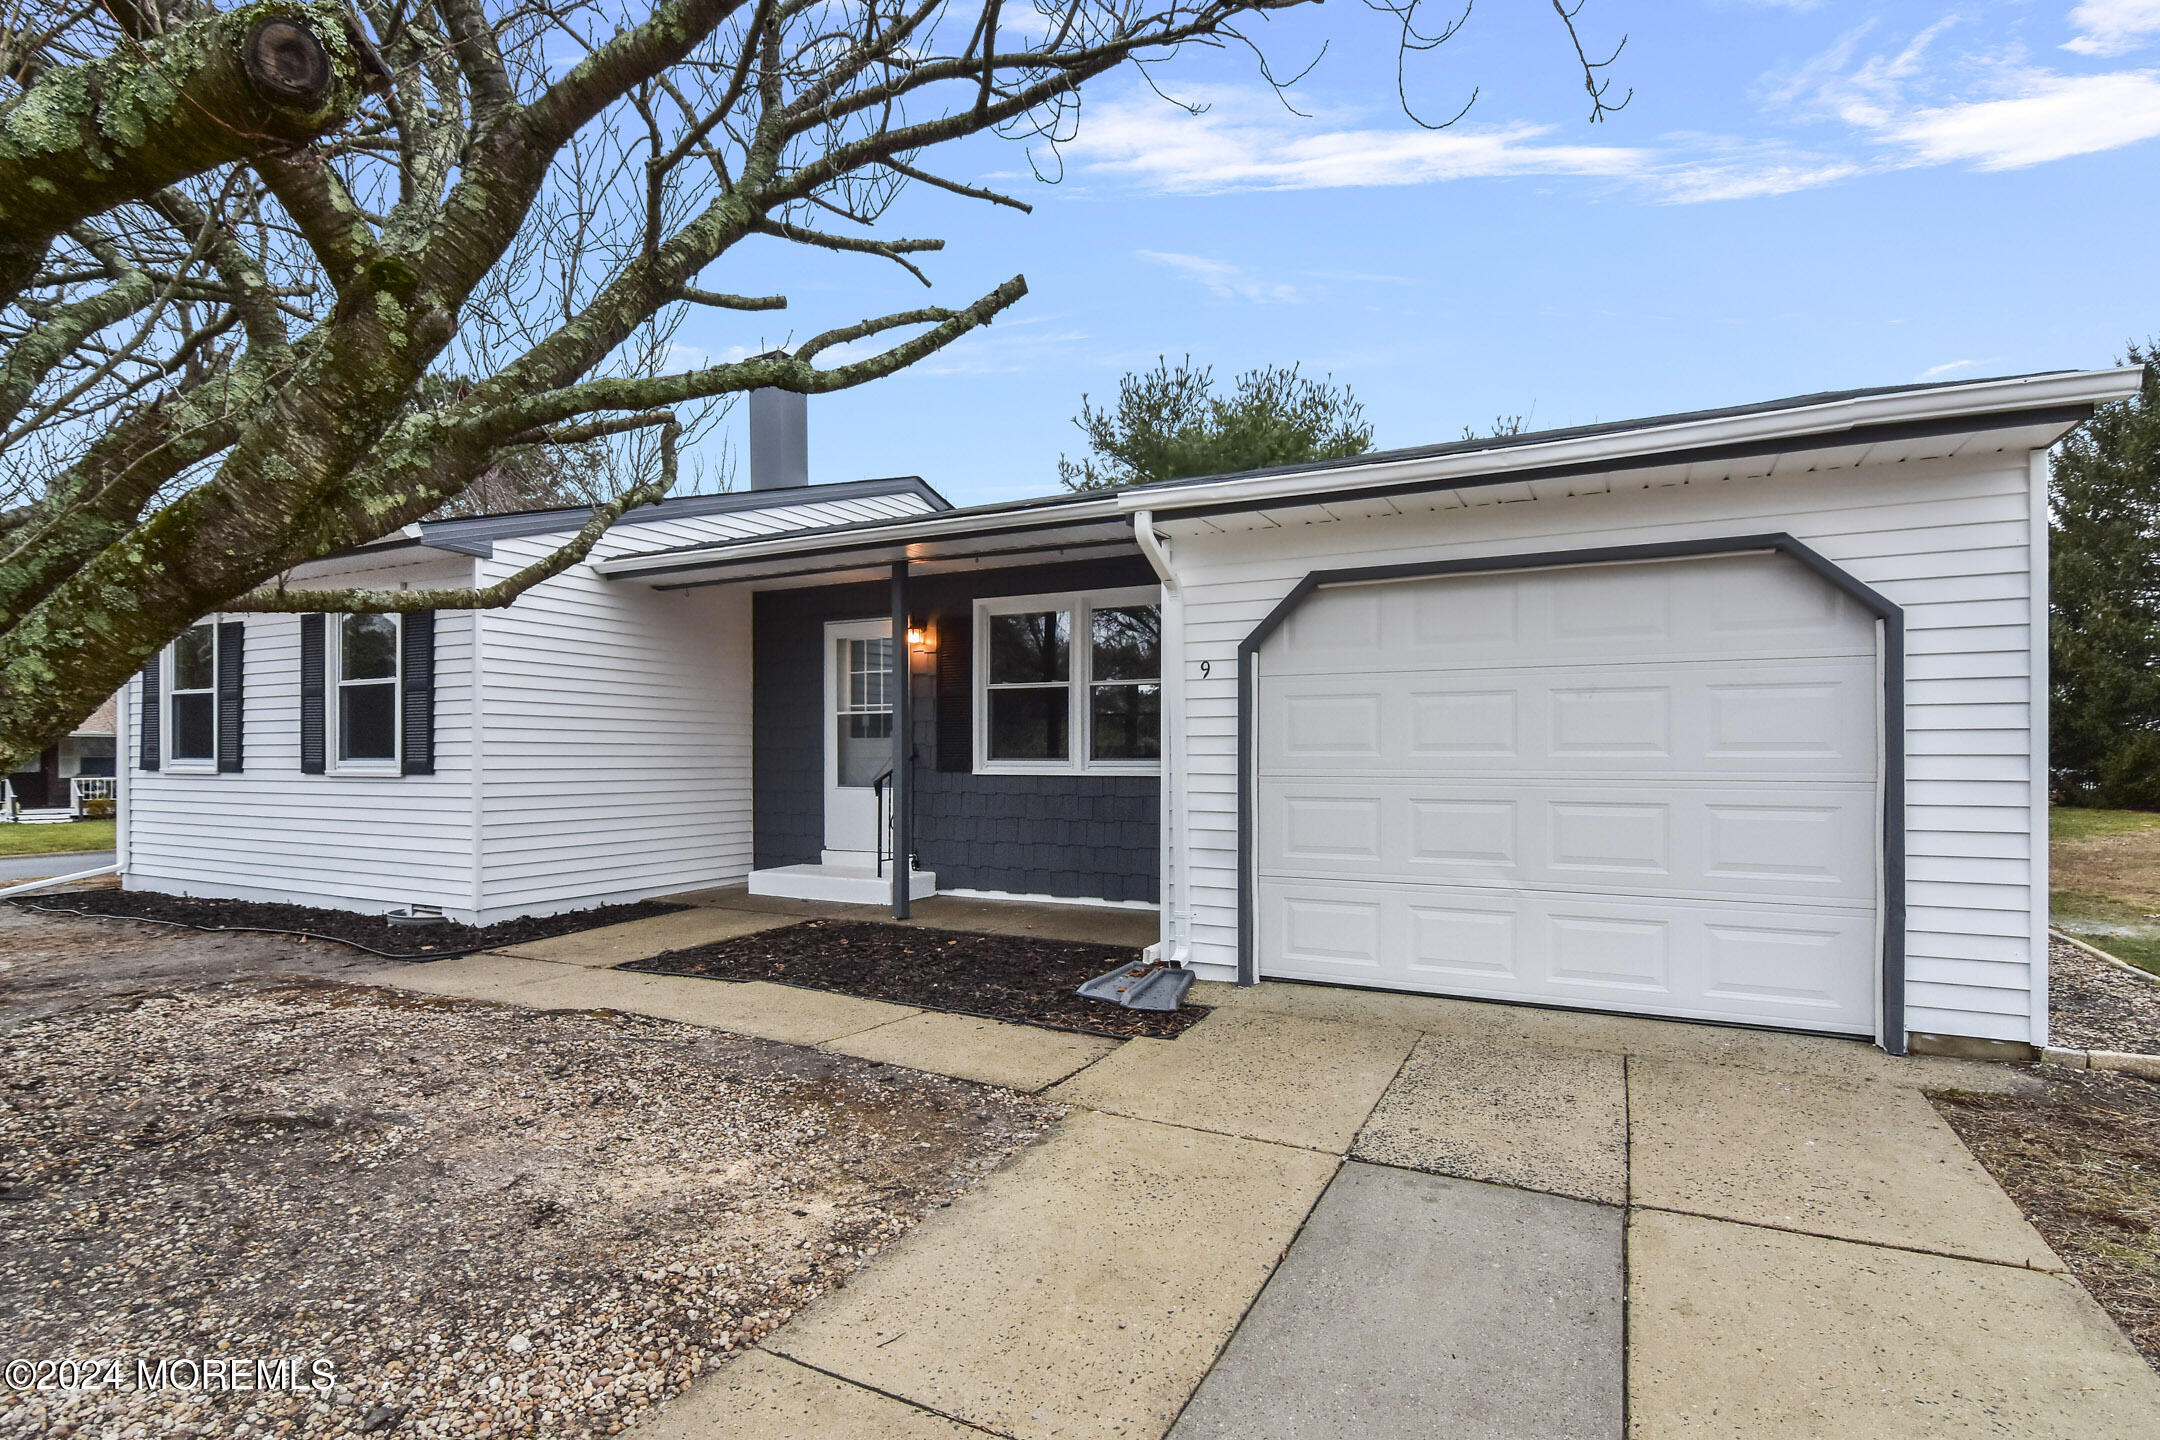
pixel 956 692
pixel 150 720
pixel 419 674
pixel 231 648
pixel 311 695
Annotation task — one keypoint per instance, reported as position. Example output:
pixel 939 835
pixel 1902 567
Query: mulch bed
pixel 998 977
pixel 2082 1160
pixel 368 932
pixel 2092 1005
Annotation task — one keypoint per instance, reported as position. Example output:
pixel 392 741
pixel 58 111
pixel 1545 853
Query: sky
pixel 1800 195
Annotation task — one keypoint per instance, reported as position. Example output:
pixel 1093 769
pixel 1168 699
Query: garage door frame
pixel 1890 908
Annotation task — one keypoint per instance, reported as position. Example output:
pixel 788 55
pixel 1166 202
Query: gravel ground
pixel 2094 1006
pixel 486 1220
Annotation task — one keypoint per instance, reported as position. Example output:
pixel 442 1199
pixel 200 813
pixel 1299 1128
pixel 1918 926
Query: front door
pixel 858 733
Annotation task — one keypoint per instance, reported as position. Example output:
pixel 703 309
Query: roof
pixel 2049 403
pixel 477 535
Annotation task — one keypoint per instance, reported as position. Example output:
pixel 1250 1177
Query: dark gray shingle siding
pixel 1080 836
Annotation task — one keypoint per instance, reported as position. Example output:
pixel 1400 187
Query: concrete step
pixel 839 884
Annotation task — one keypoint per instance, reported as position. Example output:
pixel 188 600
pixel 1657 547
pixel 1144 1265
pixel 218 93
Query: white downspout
pixel 1175 945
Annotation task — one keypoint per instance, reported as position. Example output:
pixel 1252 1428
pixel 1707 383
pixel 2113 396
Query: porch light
pixel 921 637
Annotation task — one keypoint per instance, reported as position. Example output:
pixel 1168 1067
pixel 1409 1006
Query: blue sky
pixel 1804 195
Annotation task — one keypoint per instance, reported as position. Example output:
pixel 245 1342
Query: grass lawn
pixel 2104 879
pixel 53 839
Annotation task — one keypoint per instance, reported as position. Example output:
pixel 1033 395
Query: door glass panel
pixel 862 728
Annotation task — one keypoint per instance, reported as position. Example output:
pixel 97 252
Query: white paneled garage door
pixel 1644 787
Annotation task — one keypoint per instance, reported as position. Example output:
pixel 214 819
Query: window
pixel 367 692
pixel 1125 683
pixel 192 709
pixel 1069 682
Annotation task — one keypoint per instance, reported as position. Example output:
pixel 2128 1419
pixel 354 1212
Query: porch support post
pixel 903 776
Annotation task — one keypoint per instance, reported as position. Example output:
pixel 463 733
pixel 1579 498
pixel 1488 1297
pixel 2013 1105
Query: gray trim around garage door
pixel 1892 918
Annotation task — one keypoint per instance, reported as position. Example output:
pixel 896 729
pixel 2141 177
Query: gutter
pixel 1812 423
pixel 27 886
pixel 1175 945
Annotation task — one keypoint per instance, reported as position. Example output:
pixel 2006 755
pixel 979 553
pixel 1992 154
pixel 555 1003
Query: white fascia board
pixel 1813 423
pixel 868 536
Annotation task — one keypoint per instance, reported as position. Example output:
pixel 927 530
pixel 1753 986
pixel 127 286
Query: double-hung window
pixel 367 685
pixel 1069 683
pixel 191 709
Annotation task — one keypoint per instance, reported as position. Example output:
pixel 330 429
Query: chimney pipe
pixel 779 439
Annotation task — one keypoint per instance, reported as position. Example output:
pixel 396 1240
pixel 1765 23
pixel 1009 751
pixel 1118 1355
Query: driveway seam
pixel 1206 1130
pixel 1849 1240
pixel 1482 1180
pixel 1281 1258
pixel 889 1395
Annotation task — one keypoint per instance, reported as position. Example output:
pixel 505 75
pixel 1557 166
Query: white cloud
pixel 1246 140
pixel 2114 27
pixel 1223 280
pixel 1943 372
pixel 2055 117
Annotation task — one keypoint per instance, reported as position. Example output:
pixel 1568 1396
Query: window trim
pixel 1080 606
pixel 334 707
pixel 174 762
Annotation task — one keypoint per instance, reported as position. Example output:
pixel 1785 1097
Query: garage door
pixel 1645 787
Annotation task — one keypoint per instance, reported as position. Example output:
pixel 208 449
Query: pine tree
pixel 1168 424
pixel 2104 629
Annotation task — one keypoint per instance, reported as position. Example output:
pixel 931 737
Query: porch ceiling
pixel 977 542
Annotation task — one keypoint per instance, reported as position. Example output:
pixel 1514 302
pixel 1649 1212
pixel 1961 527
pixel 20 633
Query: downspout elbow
pixel 1143 523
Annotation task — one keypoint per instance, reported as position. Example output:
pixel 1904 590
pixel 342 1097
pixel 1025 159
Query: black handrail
pixel 878 785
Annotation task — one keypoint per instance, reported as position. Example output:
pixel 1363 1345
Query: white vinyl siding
pixel 617 755
pixel 343 841
pixel 1947 539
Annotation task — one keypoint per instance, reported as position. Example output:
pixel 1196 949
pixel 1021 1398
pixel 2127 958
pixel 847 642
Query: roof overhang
pixel 2045 406
pixel 1807 434
pixel 982 538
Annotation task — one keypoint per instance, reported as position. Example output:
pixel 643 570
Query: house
pixel 87 752
pixel 1737 715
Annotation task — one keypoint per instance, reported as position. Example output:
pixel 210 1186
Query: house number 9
pixel 1207 668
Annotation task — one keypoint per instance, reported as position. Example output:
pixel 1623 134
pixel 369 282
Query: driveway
pixel 14 868
pixel 1325 1213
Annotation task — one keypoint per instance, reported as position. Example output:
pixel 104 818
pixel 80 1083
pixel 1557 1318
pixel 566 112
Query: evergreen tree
pixel 1171 423
pixel 2104 628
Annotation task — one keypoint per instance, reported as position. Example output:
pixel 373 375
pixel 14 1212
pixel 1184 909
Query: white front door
pixel 858 732
pixel 1642 787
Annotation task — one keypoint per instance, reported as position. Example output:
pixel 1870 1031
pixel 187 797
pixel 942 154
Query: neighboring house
pixel 87 751
pixel 1737 715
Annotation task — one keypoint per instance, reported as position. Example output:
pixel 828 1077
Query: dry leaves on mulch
pixel 1002 977
pixel 2082 1161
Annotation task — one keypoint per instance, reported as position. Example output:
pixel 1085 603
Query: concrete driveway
pixel 1334 1213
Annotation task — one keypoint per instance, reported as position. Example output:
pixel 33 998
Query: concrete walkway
pixel 1497 1222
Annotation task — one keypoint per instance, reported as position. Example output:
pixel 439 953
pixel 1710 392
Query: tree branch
pixel 487 597
pixel 85 138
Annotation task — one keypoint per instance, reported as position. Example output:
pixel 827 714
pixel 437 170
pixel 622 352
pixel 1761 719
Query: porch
pixel 1137 926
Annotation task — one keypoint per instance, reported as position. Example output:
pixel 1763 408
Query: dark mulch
pixel 2093 1005
pixel 999 977
pixel 2082 1159
pixel 368 932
